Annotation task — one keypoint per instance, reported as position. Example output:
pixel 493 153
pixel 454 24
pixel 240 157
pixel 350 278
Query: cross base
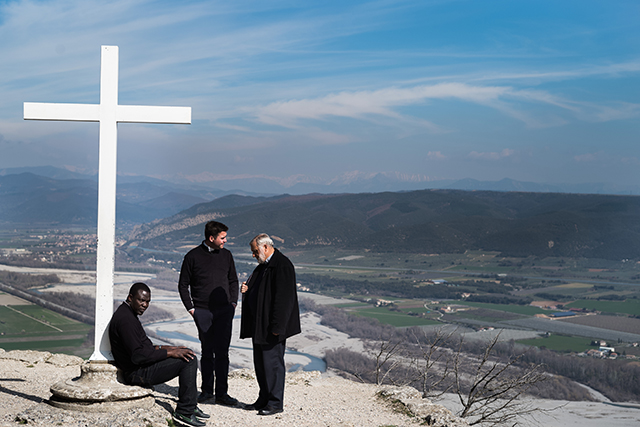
pixel 98 390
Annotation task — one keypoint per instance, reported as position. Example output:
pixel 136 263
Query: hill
pixel 311 400
pixel 426 221
pixel 26 198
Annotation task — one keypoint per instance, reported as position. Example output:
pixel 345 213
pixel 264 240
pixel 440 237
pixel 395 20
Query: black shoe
pixel 226 400
pixel 269 411
pixel 204 396
pixel 200 415
pixel 183 420
pixel 253 406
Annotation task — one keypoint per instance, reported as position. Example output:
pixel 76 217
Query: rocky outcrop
pixel 410 400
pixel 33 357
pixel 311 399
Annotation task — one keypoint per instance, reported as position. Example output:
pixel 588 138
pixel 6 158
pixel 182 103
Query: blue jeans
pixel 166 370
pixel 214 332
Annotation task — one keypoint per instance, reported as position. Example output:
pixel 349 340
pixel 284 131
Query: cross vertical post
pixel 108 113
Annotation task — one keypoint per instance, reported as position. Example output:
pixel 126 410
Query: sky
pixel 532 90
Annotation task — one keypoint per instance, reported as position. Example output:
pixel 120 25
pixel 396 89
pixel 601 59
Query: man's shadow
pixel 30 397
pixel 169 392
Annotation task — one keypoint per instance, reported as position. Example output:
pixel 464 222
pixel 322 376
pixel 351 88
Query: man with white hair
pixel 270 315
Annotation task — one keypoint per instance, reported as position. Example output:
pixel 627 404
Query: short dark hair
pixel 213 228
pixel 137 287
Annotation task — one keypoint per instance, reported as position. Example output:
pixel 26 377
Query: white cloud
pixel 492 155
pixel 371 104
pixel 388 102
pixel 435 155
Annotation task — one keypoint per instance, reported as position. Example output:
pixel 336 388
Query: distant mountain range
pixel 69 198
pixel 206 184
pixel 360 182
pixel 426 221
pixel 49 195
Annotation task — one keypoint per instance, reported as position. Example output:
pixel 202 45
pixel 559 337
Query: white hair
pixel 262 239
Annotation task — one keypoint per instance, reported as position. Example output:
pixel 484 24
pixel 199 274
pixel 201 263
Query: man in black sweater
pixel 208 287
pixel 144 364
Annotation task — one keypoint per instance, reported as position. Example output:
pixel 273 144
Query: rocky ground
pixel 310 400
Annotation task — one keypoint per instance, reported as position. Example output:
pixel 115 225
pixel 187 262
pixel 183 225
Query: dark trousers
pixel 268 360
pixel 214 332
pixel 166 370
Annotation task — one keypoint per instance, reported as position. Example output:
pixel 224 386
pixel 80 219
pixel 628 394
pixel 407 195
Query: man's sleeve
pixel 184 282
pixel 145 353
pixel 138 345
pixel 284 291
pixel 233 281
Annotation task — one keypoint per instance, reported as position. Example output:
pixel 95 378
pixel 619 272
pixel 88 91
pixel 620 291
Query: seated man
pixel 145 364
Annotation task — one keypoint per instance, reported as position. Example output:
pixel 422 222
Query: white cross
pixel 109 114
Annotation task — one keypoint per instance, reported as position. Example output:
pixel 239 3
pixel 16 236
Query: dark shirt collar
pixel 209 248
pixel 130 308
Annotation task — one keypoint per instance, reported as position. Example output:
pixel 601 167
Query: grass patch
pixel 351 305
pixel 31 327
pixel 631 307
pixel 46 345
pixel 393 318
pixel 420 310
pixel 487 269
pixel 575 285
pixel 525 310
pixel 53 318
pixel 485 314
pixel 15 322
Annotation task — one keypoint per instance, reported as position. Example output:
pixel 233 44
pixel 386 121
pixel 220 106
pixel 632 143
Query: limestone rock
pixel 430 414
pixel 302 377
pixel 244 373
pixel 62 360
pixel 30 356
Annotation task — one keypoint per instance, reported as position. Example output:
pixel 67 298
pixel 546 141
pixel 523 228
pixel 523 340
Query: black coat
pixel 271 306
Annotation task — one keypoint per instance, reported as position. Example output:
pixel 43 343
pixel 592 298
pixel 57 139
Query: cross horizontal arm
pixel 52 111
pixel 146 114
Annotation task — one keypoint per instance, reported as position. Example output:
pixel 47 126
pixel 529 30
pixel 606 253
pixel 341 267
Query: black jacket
pixel 130 345
pixel 270 306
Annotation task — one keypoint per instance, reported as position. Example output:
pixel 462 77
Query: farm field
pixel 630 306
pixel 483 314
pixel 525 310
pixel 31 327
pixel 614 323
pixel 393 318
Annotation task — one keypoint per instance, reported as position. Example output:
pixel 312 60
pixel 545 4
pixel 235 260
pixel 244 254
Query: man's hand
pixel 244 287
pixel 193 310
pixel 183 353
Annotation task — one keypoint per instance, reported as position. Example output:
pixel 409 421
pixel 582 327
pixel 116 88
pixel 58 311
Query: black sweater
pixel 130 345
pixel 208 279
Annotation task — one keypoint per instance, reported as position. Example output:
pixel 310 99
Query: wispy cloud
pixel 369 104
pixel 388 102
pixel 435 155
pixel 492 155
pixel 401 79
